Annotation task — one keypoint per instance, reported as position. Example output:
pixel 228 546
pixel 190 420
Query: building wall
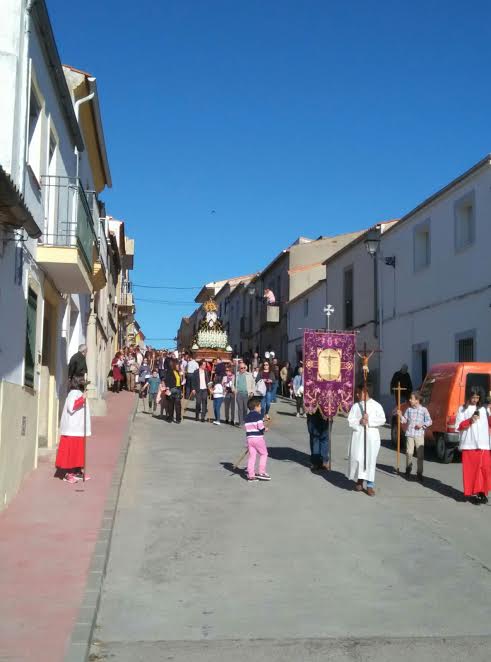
pixel 309 253
pixel 364 300
pixel 429 307
pixel 273 336
pixel 302 315
pixel 18 432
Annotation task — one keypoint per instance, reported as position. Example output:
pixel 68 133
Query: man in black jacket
pixel 78 364
pixel 199 384
pixel 403 378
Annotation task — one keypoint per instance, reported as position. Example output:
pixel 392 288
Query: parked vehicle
pixel 444 390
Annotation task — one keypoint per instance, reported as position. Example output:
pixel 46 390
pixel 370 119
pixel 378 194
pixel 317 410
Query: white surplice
pixel 376 418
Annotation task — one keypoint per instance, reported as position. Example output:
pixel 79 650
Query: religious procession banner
pixel 329 372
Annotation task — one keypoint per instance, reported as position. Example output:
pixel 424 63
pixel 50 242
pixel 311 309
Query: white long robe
pixel 376 418
pixel 72 419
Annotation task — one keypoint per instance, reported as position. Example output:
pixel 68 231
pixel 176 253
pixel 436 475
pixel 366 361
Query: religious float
pixel 211 341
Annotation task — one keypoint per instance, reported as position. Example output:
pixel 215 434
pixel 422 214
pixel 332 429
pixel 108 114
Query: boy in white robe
pixel 359 419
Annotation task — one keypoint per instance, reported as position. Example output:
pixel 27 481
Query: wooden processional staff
pixel 365 358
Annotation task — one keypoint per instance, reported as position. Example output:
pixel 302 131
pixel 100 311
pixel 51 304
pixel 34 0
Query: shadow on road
pixel 429 483
pixel 338 479
pixel 228 466
pixel 286 413
pixel 286 454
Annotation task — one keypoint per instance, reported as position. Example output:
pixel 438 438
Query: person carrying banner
pixel 318 428
pixel 365 417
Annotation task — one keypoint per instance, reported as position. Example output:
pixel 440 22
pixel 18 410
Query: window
pixel 30 352
pixel 464 212
pixel 348 298
pixel 35 134
pixel 306 307
pixel 51 152
pixel 465 347
pixel 422 246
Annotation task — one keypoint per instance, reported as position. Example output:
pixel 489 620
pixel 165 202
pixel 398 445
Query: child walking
pixel 298 392
pixel 74 425
pixel 417 418
pixel 153 390
pixel 256 444
pixel 217 393
pixel 364 414
pixel 473 422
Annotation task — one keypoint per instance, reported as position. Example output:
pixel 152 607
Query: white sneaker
pixel 216 423
pixel 298 415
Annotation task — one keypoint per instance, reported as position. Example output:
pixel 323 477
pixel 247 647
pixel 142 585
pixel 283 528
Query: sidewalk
pixel 47 539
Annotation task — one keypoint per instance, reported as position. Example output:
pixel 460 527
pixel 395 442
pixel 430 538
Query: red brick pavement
pixel 47 536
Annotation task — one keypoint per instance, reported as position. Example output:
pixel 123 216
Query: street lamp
pixel 372 244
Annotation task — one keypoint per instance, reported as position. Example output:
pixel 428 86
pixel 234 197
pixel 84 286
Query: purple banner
pixel 329 372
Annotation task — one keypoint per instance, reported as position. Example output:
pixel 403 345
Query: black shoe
pixel 475 500
pixel 408 472
pixel 482 497
pixel 420 477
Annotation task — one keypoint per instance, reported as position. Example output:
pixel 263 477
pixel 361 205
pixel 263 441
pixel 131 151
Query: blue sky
pixel 287 118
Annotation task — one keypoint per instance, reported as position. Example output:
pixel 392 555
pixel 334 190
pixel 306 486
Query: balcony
pixel 129 256
pixel 68 249
pixel 127 304
pixel 270 315
pixel 101 257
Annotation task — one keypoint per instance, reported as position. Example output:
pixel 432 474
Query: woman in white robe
pixel 357 420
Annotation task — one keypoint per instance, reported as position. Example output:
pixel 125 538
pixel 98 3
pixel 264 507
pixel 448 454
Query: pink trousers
pixel 256 445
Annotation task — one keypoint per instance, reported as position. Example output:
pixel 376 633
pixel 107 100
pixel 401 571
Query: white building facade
pixel 436 304
pixel 49 273
pixel 305 311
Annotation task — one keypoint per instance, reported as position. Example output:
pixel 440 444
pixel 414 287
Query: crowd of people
pixel 246 390
pixel 165 378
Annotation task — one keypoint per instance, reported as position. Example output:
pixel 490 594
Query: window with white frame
pixel 465 221
pixel 422 245
pixel 35 123
pixel 306 307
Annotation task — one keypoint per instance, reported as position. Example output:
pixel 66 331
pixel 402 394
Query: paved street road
pixel 205 566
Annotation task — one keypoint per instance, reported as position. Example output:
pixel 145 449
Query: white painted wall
pixel 298 321
pixel 450 296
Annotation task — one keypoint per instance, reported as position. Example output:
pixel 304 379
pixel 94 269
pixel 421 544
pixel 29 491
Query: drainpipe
pixel 78 103
pixel 25 98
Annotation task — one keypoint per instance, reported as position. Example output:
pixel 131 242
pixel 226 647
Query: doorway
pixel 420 364
pixel 48 403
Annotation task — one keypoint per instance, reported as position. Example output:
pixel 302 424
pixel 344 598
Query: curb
pixel 81 637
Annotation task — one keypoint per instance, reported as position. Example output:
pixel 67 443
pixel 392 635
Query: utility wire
pixel 165 302
pixel 167 287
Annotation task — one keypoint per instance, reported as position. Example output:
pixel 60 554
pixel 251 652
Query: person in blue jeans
pixel 268 377
pixel 319 429
pixel 275 368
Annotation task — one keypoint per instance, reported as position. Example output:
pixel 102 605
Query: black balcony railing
pixel 68 219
